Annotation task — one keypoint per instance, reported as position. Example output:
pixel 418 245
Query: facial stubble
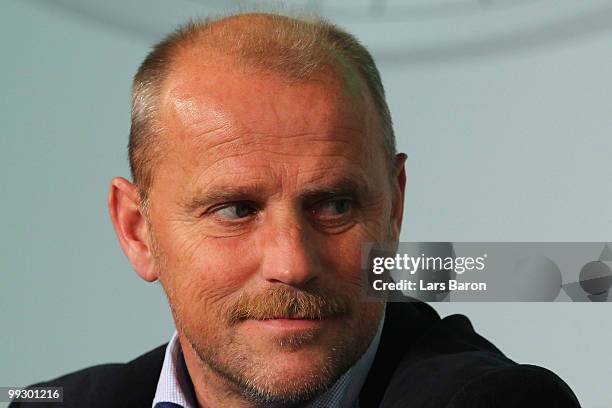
pixel 253 376
pixel 250 376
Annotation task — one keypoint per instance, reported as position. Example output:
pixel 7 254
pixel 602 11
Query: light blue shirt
pixel 174 385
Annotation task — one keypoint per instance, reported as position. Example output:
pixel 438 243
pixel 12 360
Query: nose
pixel 289 252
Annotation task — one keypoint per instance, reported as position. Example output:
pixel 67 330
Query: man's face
pixel 260 202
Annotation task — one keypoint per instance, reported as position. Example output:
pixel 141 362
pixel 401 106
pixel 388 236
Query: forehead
pixel 219 115
pixel 196 88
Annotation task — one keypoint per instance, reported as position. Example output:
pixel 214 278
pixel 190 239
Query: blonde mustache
pixel 288 303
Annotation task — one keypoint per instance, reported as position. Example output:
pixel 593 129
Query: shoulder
pixel 130 384
pixel 520 385
pixel 475 379
pixel 444 363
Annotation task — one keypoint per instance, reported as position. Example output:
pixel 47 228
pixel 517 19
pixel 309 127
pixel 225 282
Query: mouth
pixel 293 317
pixel 290 322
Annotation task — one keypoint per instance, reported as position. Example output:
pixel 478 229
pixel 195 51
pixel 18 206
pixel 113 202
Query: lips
pixel 290 323
pixel 292 318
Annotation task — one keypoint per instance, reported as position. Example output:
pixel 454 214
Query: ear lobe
pixel 131 227
pixel 398 191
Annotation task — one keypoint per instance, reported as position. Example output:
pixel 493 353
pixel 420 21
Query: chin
pixel 293 378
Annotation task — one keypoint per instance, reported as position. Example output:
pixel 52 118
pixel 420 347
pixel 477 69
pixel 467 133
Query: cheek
pixel 344 257
pixel 376 223
pixel 206 274
pixel 342 253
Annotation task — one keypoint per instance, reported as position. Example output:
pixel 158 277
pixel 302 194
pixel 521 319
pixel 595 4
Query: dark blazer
pixel 422 362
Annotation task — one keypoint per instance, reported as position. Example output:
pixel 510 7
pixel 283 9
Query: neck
pixel 211 388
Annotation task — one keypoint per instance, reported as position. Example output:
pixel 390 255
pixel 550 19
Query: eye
pixel 235 211
pixel 333 210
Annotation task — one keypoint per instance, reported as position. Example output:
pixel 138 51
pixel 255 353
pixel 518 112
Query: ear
pixel 398 190
pixel 130 227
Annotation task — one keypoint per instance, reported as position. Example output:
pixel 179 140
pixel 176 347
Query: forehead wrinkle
pixel 233 145
pixel 246 159
pixel 279 176
pixel 273 159
pixel 215 131
pixel 249 172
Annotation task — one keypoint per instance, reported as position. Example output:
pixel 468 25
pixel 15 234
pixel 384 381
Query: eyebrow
pixel 223 194
pixel 342 187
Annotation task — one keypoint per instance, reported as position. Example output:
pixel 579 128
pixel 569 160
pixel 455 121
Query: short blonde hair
pixel 297 47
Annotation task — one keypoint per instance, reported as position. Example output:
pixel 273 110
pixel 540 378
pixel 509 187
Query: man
pixel 263 157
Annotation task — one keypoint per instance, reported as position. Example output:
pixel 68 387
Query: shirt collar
pixel 174 385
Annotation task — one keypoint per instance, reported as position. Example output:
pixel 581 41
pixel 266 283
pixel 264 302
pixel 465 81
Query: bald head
pixel 296 49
